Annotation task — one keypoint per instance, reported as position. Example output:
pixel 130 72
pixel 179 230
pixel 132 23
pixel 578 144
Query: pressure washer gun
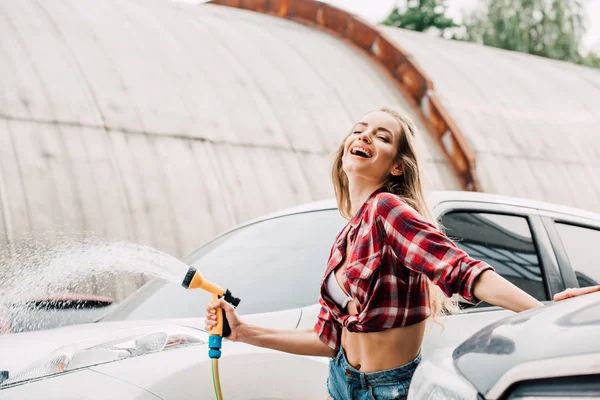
pixel 194 280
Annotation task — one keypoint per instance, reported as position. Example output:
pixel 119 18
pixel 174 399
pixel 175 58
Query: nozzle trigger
pixel 226 327
pixel 234 301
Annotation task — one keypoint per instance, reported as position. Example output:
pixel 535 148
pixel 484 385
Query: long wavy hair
pixel 409 186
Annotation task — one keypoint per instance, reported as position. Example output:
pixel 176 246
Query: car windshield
pixel 272 265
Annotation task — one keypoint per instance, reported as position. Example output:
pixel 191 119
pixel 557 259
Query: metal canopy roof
pixel 508 122
pixel 532 123
pixel 164 123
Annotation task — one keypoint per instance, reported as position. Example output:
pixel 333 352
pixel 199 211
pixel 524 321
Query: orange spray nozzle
pixel 194 280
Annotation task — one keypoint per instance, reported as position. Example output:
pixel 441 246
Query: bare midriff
pixel 379 351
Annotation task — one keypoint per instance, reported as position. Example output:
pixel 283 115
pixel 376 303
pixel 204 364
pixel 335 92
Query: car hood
pixel 22 349
pixel 567 328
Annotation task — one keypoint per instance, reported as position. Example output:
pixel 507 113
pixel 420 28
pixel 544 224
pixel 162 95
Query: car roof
pixel 437 197
pixel 451 195
pixel 434 198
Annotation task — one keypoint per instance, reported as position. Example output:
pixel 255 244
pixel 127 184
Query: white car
pixel 152 346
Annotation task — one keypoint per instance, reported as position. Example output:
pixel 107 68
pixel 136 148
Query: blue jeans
pixel 347 383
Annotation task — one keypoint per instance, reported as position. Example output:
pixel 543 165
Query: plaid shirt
pixel 393 250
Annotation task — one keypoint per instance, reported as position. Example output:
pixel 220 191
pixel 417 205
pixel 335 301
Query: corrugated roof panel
pixel 141 228
pixel 586 191
pixel 34 162
pixel 518 109
pixel 25 91
pixel 313 167
pixel 108 184
pixel 4 238
pixel 163 124
pixel 215 189
pixel 18 215
pixel 152 184
pixel 59 170
pixel 186 184
pixel 86 200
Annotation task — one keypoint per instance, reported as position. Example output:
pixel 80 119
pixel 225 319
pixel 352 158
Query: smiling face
pixel 371 150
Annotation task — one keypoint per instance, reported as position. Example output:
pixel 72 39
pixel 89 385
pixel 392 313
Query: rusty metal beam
pixel 407 75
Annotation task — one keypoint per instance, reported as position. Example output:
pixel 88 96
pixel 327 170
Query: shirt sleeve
pixel 421 247
pixel 328 329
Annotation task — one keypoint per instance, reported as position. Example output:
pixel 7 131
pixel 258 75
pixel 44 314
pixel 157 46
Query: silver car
pixel 152 345
pixel 547 353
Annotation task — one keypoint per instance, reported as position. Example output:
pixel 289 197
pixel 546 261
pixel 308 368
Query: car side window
pixel 273 265
pixel 582 246
pixel 503 241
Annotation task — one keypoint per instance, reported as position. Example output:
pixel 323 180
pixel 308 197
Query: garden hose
pixel 194 280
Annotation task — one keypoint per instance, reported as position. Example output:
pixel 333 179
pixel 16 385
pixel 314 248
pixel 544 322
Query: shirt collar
pixel 359 215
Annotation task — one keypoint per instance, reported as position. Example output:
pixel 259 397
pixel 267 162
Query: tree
pixel 591 60
pixel 547 28
pixel 420 15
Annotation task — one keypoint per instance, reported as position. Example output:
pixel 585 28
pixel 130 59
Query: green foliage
pixel 420 15
pixel 591 60
pixel 547 28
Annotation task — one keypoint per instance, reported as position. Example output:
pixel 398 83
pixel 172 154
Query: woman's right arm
pixel 303 342
pixel 295 341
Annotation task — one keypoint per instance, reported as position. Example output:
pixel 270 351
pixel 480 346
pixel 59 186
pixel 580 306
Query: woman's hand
pixel 232 317
pixel 568 293
pixel 296 341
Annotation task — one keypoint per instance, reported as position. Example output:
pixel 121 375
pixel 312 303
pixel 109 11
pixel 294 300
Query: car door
pixel 575 242
pixel 510 238
pixel 513 240
pixel 275 266
pixel 246 372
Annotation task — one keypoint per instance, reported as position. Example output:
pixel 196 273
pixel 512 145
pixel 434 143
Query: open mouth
pixel 360 152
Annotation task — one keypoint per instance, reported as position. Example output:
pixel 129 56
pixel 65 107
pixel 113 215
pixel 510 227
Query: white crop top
pixel 336 292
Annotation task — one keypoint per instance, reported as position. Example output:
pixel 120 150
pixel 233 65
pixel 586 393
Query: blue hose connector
pixel 214 346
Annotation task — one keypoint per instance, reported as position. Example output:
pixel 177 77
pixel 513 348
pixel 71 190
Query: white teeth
pixel 361 151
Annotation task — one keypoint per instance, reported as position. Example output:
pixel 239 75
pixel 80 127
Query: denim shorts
pixel 347 383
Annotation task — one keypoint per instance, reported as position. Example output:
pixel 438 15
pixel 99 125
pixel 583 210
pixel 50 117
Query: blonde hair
pixel 409 186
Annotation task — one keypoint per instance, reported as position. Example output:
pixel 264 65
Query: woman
pixel 385 270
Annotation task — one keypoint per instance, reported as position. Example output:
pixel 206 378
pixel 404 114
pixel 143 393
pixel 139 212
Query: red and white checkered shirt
pixel 393 250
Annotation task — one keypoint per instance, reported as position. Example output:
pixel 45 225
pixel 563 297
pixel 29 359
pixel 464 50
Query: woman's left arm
pixel 494 289
pixel 420 246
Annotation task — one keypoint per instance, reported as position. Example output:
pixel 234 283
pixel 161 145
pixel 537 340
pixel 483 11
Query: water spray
pixel 194 280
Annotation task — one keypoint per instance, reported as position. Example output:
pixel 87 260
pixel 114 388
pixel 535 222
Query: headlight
pixel 92 352
pixel 437 379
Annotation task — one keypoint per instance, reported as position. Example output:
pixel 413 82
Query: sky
pixel 375 11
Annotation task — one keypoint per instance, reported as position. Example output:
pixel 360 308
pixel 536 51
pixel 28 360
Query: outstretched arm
pixel 423 248
pixel 494 289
